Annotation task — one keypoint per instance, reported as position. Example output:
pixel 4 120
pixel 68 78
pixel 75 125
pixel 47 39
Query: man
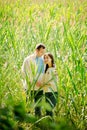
pixel 32 67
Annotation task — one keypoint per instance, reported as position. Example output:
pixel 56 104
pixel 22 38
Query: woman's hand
pixel 38 84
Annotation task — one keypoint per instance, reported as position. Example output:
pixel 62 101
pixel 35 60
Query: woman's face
pixel 47 59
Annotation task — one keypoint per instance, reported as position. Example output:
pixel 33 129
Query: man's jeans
pixel 37 98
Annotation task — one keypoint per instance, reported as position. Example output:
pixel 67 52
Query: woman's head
pixel 48 59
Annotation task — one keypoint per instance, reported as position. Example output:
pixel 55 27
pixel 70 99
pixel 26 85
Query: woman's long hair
pixel 52 60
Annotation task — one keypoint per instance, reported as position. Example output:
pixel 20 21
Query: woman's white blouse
pixel 49 80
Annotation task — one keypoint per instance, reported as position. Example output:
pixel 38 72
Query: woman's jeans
pixel 51 99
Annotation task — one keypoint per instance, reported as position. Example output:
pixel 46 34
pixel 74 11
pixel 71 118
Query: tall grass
pixel 61 26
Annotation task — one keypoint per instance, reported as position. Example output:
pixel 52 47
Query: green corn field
pixel 62 26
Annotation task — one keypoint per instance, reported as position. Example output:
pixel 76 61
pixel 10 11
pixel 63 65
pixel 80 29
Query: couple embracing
pixel 39 77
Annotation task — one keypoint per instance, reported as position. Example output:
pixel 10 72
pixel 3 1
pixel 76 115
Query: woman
pixel 50 82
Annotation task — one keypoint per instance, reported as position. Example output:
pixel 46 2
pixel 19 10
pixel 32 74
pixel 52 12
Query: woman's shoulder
pixel 51 70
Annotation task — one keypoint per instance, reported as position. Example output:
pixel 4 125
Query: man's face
pixel 40 52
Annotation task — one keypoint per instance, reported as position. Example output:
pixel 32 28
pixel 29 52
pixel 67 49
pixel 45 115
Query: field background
pixel 62 26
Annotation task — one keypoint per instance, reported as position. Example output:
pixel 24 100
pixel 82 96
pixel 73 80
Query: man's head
pixel 40 49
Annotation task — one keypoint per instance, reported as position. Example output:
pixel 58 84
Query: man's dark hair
pixel 39 46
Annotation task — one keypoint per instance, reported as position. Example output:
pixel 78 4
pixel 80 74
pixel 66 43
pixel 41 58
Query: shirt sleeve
pixel 29 70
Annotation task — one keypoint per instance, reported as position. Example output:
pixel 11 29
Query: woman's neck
pixel 50 65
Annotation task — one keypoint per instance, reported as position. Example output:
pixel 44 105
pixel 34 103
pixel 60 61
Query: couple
pixel 39 77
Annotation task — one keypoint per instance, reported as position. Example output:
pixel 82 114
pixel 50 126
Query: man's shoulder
pixel 28 58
